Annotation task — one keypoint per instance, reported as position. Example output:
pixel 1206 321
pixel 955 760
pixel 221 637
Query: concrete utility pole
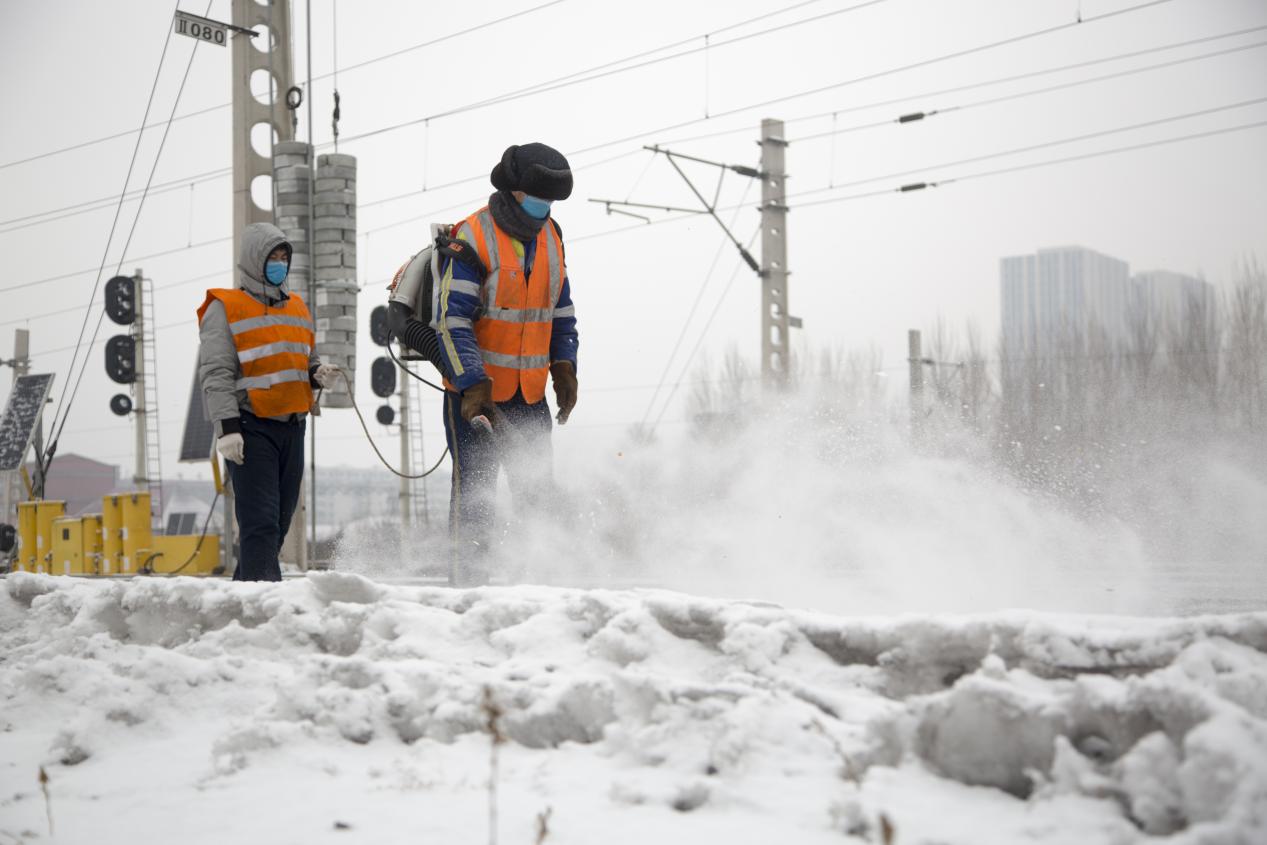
pixel 140 475
pixel 272 56
pixel 775 321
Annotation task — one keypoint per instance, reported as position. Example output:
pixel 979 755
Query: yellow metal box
pixel 92 539
pixel 76 546
pixel 35 534
pixel 125 530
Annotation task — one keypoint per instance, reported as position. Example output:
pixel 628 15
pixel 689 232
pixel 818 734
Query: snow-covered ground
pixel 336 708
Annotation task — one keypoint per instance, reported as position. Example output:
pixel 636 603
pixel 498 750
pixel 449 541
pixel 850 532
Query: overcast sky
pixel 864 269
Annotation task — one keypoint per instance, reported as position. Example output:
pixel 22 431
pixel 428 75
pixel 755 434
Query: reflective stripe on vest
pixel 274 344
pixel 266 381
pixel 514 329
pixel 267 320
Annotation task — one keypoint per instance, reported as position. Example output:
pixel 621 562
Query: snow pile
pixel 206 711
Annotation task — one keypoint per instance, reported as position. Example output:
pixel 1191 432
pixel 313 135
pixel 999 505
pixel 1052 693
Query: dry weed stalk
pixel 888 833
pixel 492 713
pixel 48 802
pixel 543 824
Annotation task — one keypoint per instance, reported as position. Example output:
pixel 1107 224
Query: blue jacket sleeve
pixel 455 306
pixel 564 339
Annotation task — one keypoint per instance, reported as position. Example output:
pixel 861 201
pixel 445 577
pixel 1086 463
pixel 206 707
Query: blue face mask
pixel 538 208
pixel 275 271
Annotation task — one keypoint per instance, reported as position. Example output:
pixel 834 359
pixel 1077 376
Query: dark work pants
pixel 522 446
pixel 266 490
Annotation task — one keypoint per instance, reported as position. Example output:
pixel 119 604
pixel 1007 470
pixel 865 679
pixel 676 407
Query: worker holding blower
pixel 501 321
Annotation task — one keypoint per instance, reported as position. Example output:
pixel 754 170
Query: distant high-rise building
pixel 1170 300
pixel 1063 295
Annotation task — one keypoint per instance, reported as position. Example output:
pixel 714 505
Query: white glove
pixel 232 448
pixel 326 375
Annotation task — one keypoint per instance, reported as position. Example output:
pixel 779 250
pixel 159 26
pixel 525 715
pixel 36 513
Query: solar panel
pixel 199 434
pixel 21 413
pixel 182 523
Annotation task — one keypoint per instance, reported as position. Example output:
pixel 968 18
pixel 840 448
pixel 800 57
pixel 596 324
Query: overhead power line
pixel 149 102
pixel 74 273
pixel 918 116
pixel 176 184
pixel 345 69
pixel 1175 45
pixel 105 202
pixel 93 205
pixel 1032 147
pixel 764 103
pixel 830 200
pixel 586 76
pixel 505 98
pixel 957 54
pixel 610 68
pixel 431 214
pixel 690 314
pixel 56 432
pixel 1040 164
pixel 643 134
pixel 62 312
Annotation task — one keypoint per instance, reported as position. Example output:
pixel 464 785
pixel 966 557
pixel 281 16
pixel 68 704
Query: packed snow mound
pixel 207 711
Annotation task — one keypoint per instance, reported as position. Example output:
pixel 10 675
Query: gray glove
pixel 326 375
pixel 232 448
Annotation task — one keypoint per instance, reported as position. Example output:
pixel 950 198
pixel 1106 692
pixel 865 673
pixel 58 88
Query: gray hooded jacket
pixel 218 367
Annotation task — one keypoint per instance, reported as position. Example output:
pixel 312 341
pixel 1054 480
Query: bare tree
pixel 1247 348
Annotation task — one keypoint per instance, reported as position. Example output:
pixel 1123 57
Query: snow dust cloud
pixel 800 504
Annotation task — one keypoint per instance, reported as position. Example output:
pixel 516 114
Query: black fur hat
pixel 535 169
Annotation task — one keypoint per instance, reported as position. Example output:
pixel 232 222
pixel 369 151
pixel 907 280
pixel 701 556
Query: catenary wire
pixel 168 252
pixel 609 68
pixel 967 177
pixel 739 265
pixel 433 212
pixel 419 46
pixel 460 109
pixel 56 433
pixel 984 83
pixel 89 206
pixel 64 311
pixel 957 54
pixel 690 315
pixel 811 203
pixel 764 103
pixel 1032 147
pixel 1049 163
pixel 1031 93
pixel 118 209
pixel 74 273
pixel 345 69
pixel 579 78
pixel 74 209
pixel 679 125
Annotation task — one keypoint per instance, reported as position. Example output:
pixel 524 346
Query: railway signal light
pixel 383 377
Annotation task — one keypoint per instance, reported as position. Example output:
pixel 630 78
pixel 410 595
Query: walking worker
pixel 499 334
pixel 257 362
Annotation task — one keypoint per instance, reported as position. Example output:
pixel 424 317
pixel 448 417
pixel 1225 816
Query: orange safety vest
pixel 274 343
pixel 514 330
